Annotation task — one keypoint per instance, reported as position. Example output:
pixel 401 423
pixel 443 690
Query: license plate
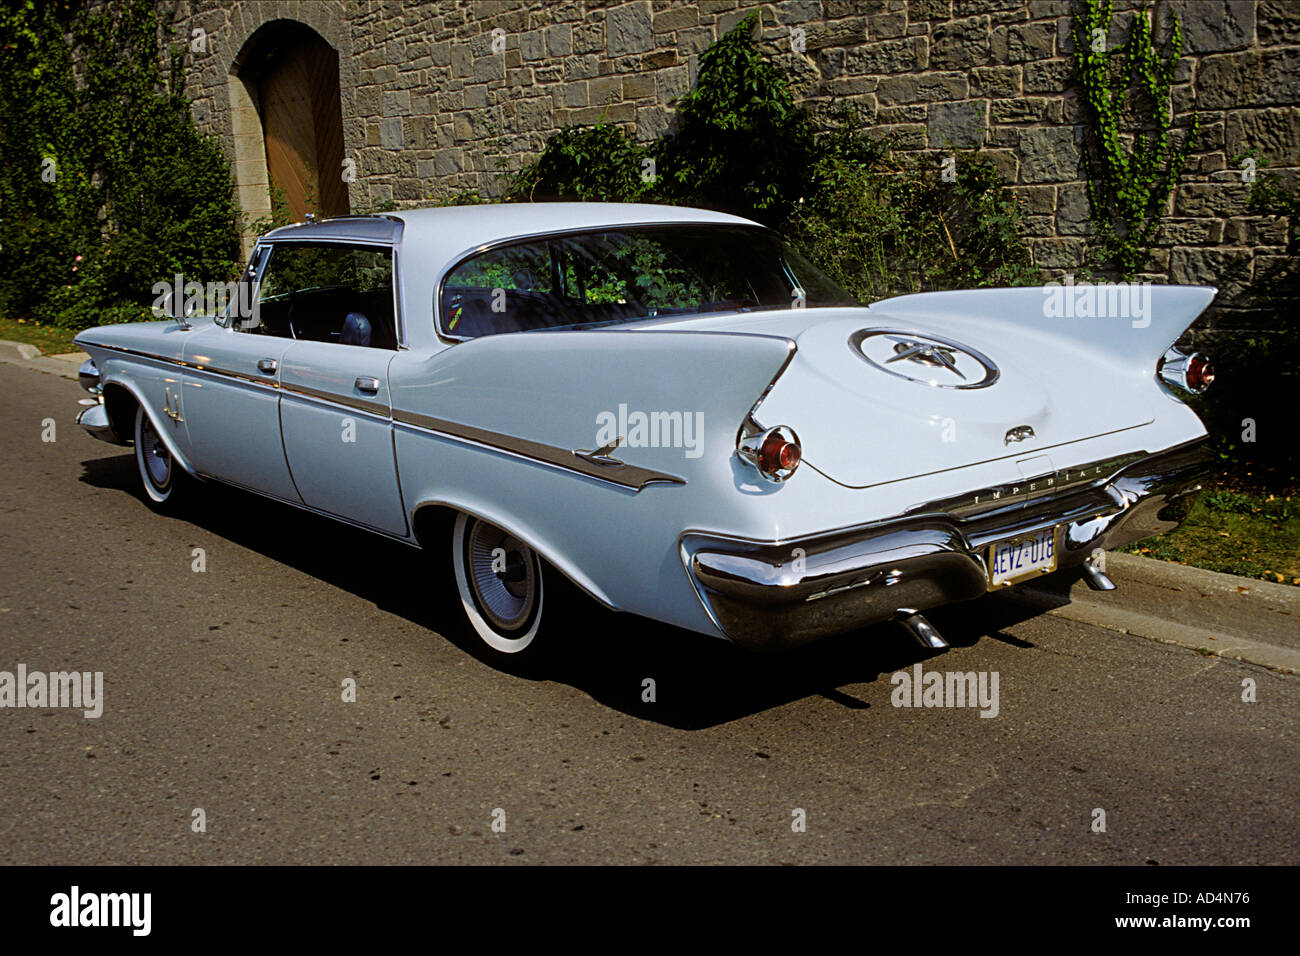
pixel 1018 558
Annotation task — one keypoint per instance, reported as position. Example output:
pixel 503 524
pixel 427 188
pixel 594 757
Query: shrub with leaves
pixel 883 226
pixel 599 163
pixel 742 145
pixel 105 185
pixel 879 225
pixel 1250 409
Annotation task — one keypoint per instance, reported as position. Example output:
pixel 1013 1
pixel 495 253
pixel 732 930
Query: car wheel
pixel 502 586
pixel 164 481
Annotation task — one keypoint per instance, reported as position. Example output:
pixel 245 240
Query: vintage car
pixel 670 409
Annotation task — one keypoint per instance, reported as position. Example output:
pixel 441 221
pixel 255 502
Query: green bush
pixel 878 225
pixel 741 144
pixel 881 226
pixel 598 163
pixel 105 185
pixel 1250 409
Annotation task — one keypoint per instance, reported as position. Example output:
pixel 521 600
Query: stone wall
pixel 431 106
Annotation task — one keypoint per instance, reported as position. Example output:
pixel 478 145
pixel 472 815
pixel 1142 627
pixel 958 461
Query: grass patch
pixel 50 339
pixel 1255 535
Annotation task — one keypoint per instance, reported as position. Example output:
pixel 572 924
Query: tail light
pixel 774 452
pixel 1192 373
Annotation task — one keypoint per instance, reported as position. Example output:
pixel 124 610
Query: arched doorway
pixel 292 75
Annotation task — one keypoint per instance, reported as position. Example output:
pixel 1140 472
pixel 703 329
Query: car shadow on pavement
pixel 697 681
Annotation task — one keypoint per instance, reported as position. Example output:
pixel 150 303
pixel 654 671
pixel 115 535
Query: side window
pixel 635 270
pixel 502 290
pixel 326 292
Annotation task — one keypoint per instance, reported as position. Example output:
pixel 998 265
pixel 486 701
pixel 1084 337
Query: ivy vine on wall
pixel 1133 155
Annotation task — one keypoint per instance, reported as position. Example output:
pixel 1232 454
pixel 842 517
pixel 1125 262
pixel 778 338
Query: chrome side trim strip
pixel 623 475
pixel 377 409
pixel 268 383
pixel 149 355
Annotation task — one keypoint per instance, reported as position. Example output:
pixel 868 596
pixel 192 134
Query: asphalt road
pixel 222 692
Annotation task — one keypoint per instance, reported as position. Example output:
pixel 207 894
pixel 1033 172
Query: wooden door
pixel 303 123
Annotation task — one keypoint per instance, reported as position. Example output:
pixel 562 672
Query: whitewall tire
pixel 163 479
pixel 501 586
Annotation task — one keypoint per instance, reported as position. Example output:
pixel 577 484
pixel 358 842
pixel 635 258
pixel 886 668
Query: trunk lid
pixel 883 400
pixel 931 382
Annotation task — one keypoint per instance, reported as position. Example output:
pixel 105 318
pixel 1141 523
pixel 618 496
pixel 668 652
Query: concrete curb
pixel 24 351
pixel 29 356
pixel 1280 597
pixel 1127 621
pixel 1255 608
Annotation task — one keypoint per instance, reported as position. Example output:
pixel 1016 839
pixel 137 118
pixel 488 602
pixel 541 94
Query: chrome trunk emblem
pixel 1017 434
pixel 944 363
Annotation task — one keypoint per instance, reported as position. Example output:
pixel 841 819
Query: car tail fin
pixel 1129 322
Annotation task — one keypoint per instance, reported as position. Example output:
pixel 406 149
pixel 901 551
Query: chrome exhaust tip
pixel 1094 572
pixel 922 631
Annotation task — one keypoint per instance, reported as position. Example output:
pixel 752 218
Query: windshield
pixel 627 274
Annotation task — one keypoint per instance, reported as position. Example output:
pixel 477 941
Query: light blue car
pixel 668 408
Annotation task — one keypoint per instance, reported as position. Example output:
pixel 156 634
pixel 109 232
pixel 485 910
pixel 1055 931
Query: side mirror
pixel 169 308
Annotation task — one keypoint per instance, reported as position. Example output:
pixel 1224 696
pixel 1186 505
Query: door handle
pixel 267 365
pixel 369 386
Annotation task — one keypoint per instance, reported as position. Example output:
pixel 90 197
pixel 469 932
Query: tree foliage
pixel 877 223
pixel 105 185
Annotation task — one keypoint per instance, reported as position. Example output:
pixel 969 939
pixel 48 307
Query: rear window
pixel 624 275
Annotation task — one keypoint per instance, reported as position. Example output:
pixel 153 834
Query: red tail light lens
pixel 774 452
pixel 1192 373
pixel 1200 373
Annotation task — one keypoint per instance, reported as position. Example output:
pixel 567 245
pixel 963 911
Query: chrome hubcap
pixel 156 458
pixel 502 572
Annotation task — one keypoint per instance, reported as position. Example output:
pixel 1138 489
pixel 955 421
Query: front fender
pixel 161 424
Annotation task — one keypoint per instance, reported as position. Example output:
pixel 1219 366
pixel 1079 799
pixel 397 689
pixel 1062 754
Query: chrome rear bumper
pixel 770 596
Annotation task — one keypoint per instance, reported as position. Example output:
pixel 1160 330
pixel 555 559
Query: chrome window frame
pixel 399 319
pixel 257 260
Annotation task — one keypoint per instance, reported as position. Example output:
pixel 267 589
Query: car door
pixel 335 413
pixel 232 399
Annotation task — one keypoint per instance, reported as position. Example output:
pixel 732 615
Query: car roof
pixel 440 233
pixel 432 240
